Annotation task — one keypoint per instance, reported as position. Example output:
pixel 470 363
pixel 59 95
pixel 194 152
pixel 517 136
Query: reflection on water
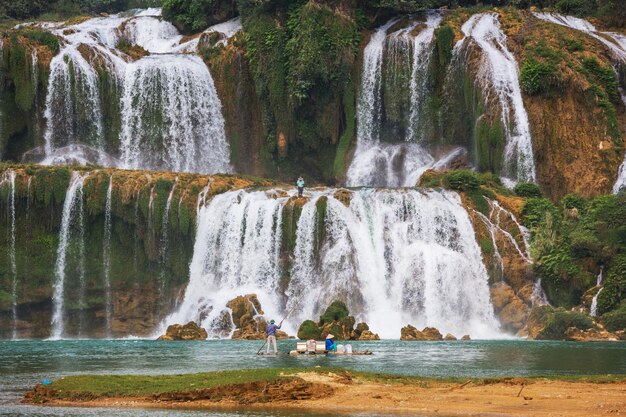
pixel 23 363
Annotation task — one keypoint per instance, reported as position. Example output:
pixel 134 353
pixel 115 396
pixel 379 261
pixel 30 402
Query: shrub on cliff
pixel 536 77
pixel 538 211
pixel 308 330
pixel 614 291
pixel 554 322
pixel 527 189
pixel 463 180
pixel 616 319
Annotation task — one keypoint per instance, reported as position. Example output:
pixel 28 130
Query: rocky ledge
pixel 189 331
pixel 337 321
pixel 429 334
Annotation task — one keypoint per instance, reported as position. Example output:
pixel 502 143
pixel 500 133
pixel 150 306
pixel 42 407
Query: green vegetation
pixel 557 321
pixel 308 330
pixel 573 240
pixel 191 16
pixel 336 311
pixel 527 189
pixel 536 77
pixel 50 9
pixel 616 319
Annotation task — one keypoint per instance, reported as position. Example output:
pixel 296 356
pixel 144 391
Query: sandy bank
pixel 342 392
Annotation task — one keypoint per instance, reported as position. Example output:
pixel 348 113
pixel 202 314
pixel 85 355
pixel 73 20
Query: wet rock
pixel 449 336
pixel 590 335
pixel 510 309
pixel 368 335
pixel 189 331
pixel 247 316
pixel 428 334
pixel 336 320
pixel 466 337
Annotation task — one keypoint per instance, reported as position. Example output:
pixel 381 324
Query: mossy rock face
pixel 336 311
pixel 547 323
pixel 308 330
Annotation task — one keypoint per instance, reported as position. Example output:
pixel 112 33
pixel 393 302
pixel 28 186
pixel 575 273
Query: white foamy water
pixel 170 111
pixel 499 73
pixel 395 257
pixel 377 163
pixel 8 178
pixel 106 258
pixel 72 212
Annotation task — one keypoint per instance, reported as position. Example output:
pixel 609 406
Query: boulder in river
pixel 590 335
pixel 337 321
pixel 247 315
pixel 412 333
pixel 189 331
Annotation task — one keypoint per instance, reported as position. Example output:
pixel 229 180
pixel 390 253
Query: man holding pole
pixel 271 335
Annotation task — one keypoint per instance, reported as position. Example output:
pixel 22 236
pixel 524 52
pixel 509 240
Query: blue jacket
pixel 271 329
pixel 330 345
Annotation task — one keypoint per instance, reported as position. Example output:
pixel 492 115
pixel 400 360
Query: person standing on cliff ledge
pixel 300 184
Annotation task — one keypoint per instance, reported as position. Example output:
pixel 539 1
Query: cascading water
pixel 172 98
pixel 170 112
pixel 71 205
pixel 593 309
pixel 615 42
pixel 9 178
pixel 395 257
pixel 106 257
pixel 499 73
pixel 378 163
pixel 165 234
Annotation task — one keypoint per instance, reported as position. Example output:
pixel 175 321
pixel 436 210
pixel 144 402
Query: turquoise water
pixel 24 363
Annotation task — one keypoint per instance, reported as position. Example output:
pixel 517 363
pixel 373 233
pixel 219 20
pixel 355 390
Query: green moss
pixel 486 246
pixel 42 37
pixel 336 311
pixel 490 142
pixel 50 185
pixel 348 134
pixel 444 40
pixel 308 330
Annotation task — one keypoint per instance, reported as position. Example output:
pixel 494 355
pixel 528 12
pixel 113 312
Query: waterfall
pixel 395 257
pixel 593 310
pixel 499 73
pixel 72 102
pixel 72 204
pixel 106 256
pixel 170 112
pixel 171 117
pixel 236 252
pixel 615 42
pixel 422 53
pixel 377 163
pixel 165 235
pixel 9 177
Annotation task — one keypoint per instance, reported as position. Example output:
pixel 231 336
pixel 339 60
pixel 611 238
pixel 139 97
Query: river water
pixel 24 363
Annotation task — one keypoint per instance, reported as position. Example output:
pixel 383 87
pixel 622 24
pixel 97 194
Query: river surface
pixel 24 363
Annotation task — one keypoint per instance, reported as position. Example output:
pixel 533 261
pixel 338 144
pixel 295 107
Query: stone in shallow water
pixel 189 331
pixel 428 334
